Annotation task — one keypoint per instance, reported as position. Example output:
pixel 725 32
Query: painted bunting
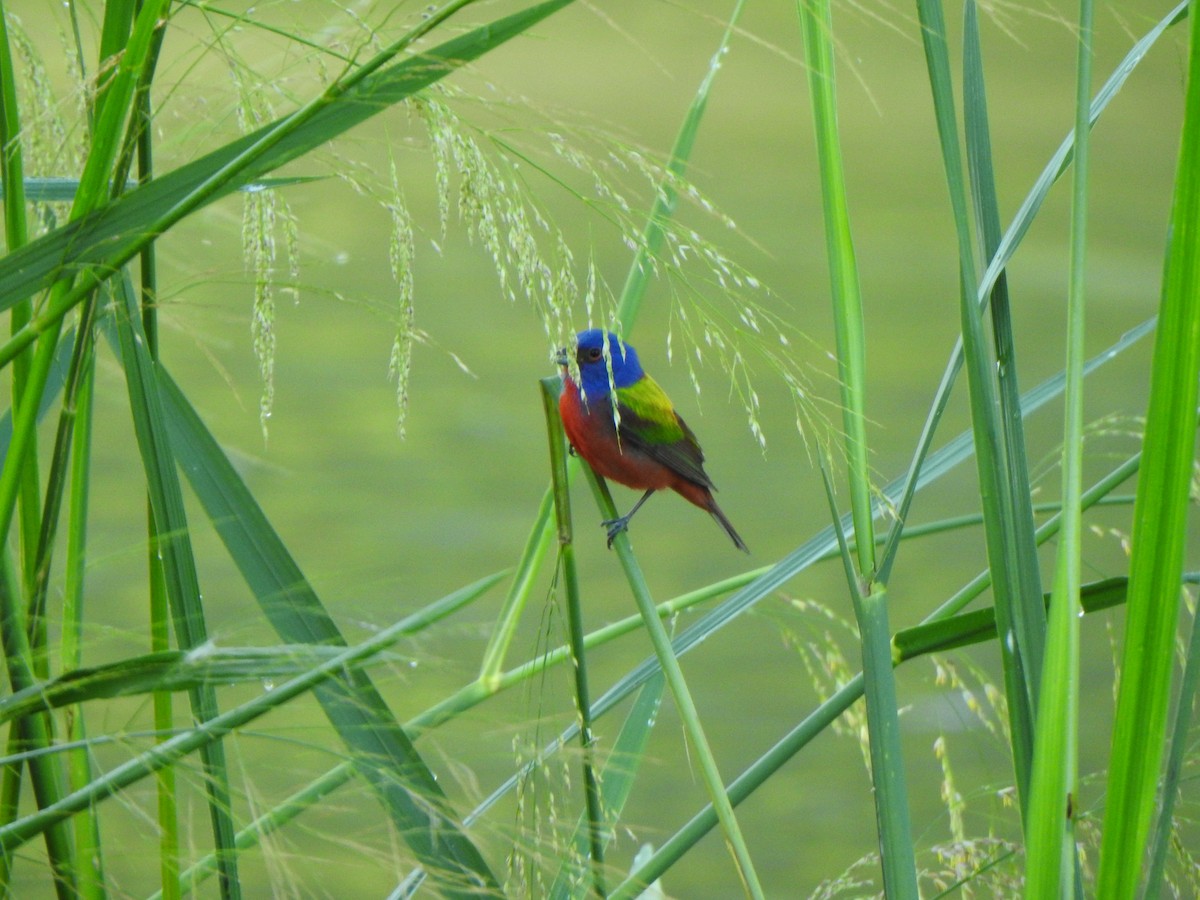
pixel 647 446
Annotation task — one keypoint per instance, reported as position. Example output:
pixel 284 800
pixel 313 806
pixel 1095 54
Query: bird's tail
pixel 727 525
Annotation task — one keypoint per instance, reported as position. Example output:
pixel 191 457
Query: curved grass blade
pixel 166 670
pixel 1028 615
pixel 665 654
pixel 52 189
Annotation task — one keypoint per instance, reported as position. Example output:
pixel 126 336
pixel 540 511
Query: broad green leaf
pixel 175 552
pixel 379 746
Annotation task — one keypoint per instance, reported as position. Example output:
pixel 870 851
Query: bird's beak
pixel 563 358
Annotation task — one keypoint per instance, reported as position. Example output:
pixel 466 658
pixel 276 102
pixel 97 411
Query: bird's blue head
pixel 591 352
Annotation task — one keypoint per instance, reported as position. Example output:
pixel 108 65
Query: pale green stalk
pixel 551 387
pixel 997 488
pixel 869 595
pixel 88 850
pixel 1050 821
pixel 688 713
pixel 12 172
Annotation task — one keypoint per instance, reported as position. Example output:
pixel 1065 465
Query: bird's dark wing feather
pixel 682 455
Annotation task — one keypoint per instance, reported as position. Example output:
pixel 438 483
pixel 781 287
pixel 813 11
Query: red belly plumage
pixel 593 434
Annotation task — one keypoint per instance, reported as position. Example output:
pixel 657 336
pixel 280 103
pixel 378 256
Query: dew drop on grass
pixel 268 685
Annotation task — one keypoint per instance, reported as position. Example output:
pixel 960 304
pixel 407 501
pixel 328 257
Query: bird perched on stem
pixel 646 445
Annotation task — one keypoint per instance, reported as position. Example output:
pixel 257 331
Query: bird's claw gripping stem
pixel 615 527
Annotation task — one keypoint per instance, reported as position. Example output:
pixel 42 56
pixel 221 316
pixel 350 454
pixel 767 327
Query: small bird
pixel 648 446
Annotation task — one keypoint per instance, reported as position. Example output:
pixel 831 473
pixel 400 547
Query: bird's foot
pixel 615 527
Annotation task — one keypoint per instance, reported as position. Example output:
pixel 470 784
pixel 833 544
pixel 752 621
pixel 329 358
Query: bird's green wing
pixel 649 423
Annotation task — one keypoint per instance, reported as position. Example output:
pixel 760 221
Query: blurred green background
pixel 383 525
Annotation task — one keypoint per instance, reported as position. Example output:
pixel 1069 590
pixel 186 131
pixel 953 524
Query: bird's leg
pixel 616 526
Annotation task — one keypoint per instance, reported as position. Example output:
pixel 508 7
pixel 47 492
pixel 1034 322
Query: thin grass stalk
pixel 33 731
pixel 688 713
pixel 141 137
pixel 15 231
pixel 1159 524
pixel 88 849
pixel 620 769
pixel 869 595
pixel 893 827
pixel 1164 826
pixel 550 389
pixel 995 484
pixel 816 25
pixel 666 197
pixel 1030 618
pixel 537 545
pixel 1050 823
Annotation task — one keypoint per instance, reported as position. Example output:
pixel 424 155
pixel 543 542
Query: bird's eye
pixel 594 354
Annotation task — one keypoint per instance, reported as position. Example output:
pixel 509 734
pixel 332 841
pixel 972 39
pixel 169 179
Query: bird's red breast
pixel 593 434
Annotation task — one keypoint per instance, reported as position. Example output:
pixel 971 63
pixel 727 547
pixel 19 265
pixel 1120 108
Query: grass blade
pixel 178 563
pixel 995 482
pixel 381 749
pixel 867 592
pixel 1159 525
pixel 665 654
pixel 1050 822
pixel 551 388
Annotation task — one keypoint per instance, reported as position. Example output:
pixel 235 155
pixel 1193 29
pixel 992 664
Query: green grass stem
pixel 688 713
pixel 1159 525
pixel 868 594
pixel 1050 851
pixel 550 390
pixel 1164 827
